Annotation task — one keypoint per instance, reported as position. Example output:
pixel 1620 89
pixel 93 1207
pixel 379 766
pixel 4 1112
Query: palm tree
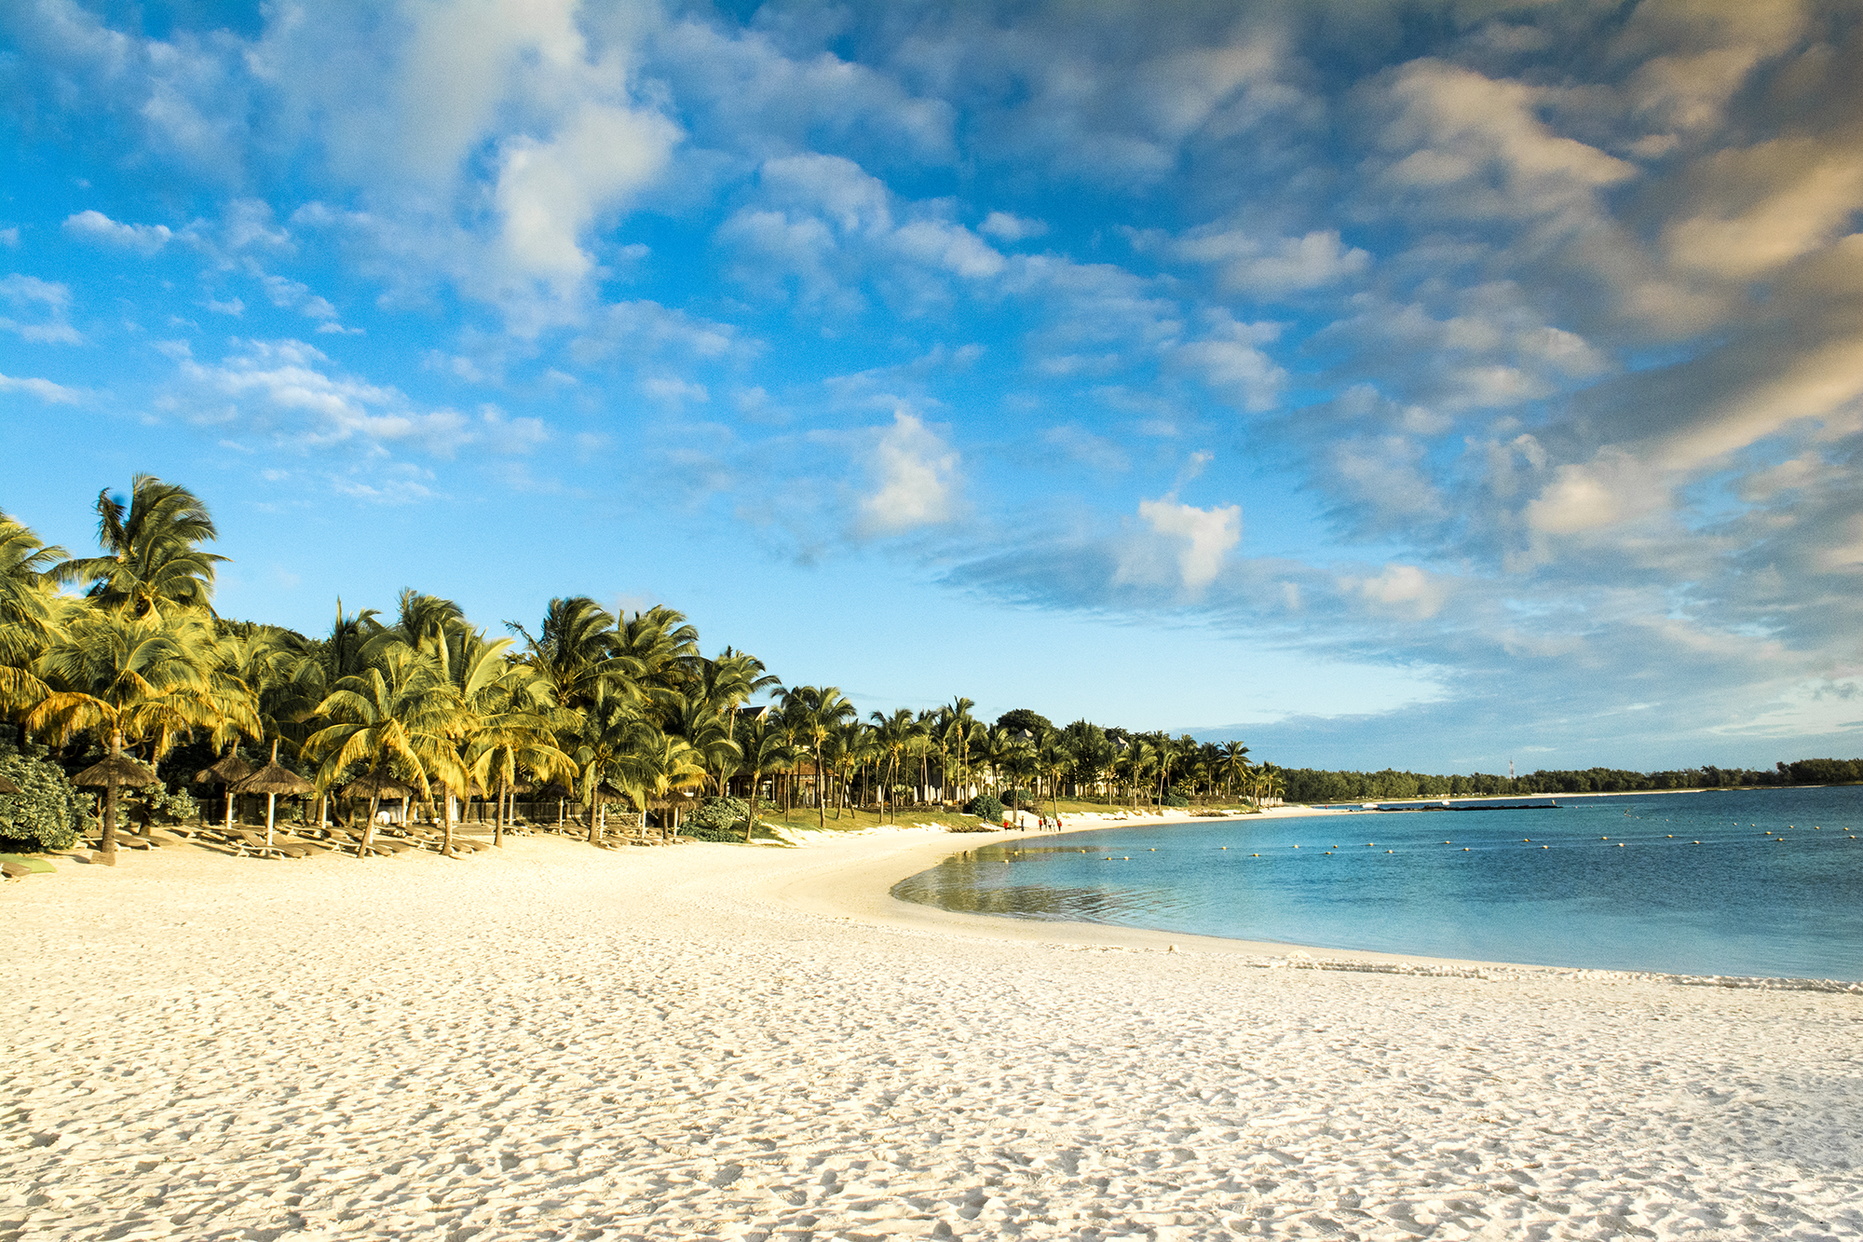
pixel 604 732
pixel 957 735
pixel 655 766
pixel 1052 761
pixel 577 654
pixel 506 742
pixel 151 555
pixel 505 726
pixel 766 749
pixel 126 679
pixel 849 748
pixel 1090 752
pixel 663 649
pixel 396 719
pixel 1232 762
pixel 706 727
pixel 28 611
pixel 895 736
pixel 815 711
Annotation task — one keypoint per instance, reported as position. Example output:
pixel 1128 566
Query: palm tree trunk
pixel 750 821
pixel 106 843
pixel 368 827
pixel 446 831
pixel 498 826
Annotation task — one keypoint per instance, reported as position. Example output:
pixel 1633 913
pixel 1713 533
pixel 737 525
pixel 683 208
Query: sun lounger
pixel 247 843
pixel 382 847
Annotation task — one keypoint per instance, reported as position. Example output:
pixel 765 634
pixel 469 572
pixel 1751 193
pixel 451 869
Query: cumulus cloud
pixel 549 192
pixel 1194 541
pixel 1006 227
pixel 93 225
pixel 1246 261
pixel 45 390
pixel 44 307
pixel 1404 588
pixel 916 476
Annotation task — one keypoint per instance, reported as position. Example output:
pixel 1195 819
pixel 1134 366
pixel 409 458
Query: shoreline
pixel 865 892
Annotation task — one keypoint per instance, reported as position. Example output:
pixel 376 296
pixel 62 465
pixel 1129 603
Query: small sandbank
pixel 715 1041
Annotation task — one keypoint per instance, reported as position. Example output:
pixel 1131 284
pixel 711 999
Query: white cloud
pixel 9 236
pixel 289 393
pixel 917 477
pixel 1612 488
pixel 674 389
pixel 1403 588
pixel 287 294
pixel 1474 146
pixel 1760 207
pixel 748 93
pixel 48 305
pixel 45 390
pixel 1250 262
pixel 648 330
pixel 95 226
pixel 550 193
pixel 1228 358
pixel 1011 228
pixel 1196 539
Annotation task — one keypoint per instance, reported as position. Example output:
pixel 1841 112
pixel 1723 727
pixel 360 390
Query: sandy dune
pixel 712 1041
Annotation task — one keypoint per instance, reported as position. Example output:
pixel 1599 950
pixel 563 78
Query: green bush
pixel 983 806
pixel 1014 797
pixel 49 813
pixel 155 804
pixel 721 819
pixel 1175 797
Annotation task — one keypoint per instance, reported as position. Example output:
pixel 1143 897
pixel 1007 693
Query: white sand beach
pixel 713 1041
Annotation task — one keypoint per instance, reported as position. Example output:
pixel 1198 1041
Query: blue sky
pixel 1413 384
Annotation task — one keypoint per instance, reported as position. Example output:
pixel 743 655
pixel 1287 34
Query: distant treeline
pixel 1313 785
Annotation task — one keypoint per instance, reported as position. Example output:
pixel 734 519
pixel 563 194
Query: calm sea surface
pixel 1680 883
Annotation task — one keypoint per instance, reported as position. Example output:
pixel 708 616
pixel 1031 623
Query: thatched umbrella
pixel 228 772
pixel 113 771
pixel 271 780
pixel 669 804
pixel 374 786
pixel 8 787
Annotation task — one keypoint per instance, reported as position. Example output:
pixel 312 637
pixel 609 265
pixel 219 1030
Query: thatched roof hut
pixel 274 778
pixel 374 785
pixel 116 768
pixel 230 770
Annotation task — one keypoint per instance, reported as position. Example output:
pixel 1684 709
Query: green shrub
pixel 1014 797
pixel 1175 797
pixel 155 804
pixel 721 819
pixel 49 813
pixel 983 806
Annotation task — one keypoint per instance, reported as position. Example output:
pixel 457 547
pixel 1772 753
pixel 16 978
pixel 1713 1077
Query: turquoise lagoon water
pixel 1609 882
